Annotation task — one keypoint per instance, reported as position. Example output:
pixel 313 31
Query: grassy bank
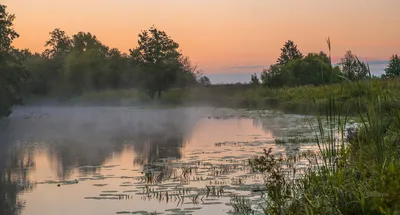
pixel 351 97
pixel 357 172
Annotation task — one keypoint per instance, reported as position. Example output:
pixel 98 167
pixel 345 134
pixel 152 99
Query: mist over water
pixel 109 146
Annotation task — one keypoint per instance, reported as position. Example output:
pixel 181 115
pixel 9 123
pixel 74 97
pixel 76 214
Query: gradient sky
pixel 222 36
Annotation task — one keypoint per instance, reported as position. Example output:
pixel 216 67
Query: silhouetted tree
pixel 277 76
pixel 254 79
pixel 12 73
pixel 158 56
pixel 204 80
pixel 289 52
pixel 314 69
pixel 187 74
pixel 352 68
pixel 58 44
pixel 393 68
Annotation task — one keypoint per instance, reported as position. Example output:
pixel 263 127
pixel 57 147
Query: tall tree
pixel 254 79
pixel 289 52
pixel 58 44
pixel 12 73
pixel 313 69
pixel 7 32
pixel 83 41
pixel 205 81
pixel 393 68
pixel 158 56
pixel 352 68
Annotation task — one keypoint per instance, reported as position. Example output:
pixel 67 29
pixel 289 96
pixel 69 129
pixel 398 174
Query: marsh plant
pixel 354 171
pixel 242 205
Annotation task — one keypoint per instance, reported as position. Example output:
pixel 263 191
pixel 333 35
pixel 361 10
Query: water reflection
pixel 14 169
pixel 68 138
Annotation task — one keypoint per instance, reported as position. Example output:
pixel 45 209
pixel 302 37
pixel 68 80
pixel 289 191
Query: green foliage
pixel 277 76
pixel 314 69
pixel 352 68
pixel 289 52
pixel 41 75
pixel 12 73
pixel 7 32
pixel 162 65
pixel 58 44
pixel 74 65
pixel 393 68
pixel 356 169
pixel 205 81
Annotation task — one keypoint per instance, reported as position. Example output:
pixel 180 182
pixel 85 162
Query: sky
pixel 224 37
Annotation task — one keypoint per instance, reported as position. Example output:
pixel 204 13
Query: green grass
pixel 350 96
pixel 301 99
pixel 357 174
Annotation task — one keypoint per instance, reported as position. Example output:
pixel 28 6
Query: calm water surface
pixel 93 160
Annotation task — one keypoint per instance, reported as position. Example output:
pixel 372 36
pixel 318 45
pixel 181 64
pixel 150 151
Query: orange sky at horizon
pixel 220 34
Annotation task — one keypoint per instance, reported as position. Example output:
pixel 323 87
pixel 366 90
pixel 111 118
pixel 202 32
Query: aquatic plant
pixel 241 205
pixel 350 173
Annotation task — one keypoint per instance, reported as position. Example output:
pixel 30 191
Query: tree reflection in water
pixel 76 137
pixel 15 164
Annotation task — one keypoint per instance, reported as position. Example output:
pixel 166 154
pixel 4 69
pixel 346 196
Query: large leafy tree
pixel 86 65
pixel 58 44
pixel 393 68
pixel 158 56
pixel 289 52
pixel 277 76
pixel 83 41
pixel 12 73
pixel 314 69
pixel 121 73
pixel 352 68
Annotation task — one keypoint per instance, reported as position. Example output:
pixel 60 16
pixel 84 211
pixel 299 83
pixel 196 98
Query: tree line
pixel 293 69
pixel 71 65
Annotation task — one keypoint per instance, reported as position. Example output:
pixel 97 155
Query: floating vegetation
pixel 201 178
pixel 124 212
pixel 109 191
pixel 100 185
pixel 140 212
pixel 296 140
pixel 59 183
pixel 242 113
pixel 192 209
pixel 244 143
pixel 102 198
pixel 241 204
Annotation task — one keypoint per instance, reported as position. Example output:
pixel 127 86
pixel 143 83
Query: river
pixel 117 160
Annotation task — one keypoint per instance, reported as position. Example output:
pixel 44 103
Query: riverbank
pixel 358 168
pixel 351 97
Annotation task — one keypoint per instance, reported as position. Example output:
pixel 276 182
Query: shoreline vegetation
pixel 81 70
pixel 297 100
pixel 359 171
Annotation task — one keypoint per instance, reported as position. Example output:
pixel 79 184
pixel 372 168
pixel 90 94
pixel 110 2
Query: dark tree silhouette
pixel 393 68
pixel 289 52
pixel 12 73
pixel 352 68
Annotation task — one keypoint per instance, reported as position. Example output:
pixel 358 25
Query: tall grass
pixel 354 172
